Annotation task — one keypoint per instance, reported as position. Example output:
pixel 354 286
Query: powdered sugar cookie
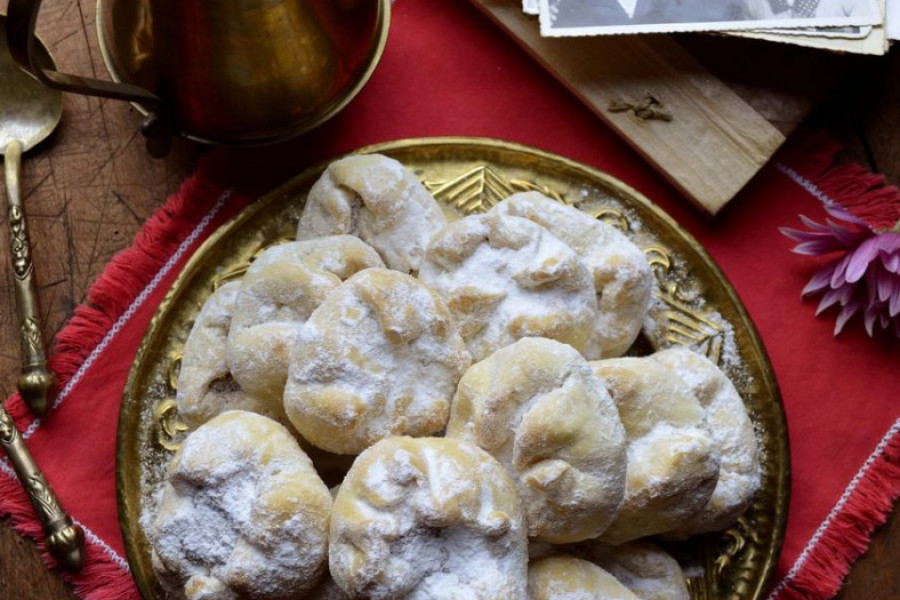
pixel 644 568
pixel 379 200
pixel 327 589
pixel 570 578
pixel 622 277
pixel 732 432
pixel 538 407
pixel 428 518
pixel 242 514
pixel 506 278
pixel 281 288
pixel 381 356
pixel 673 462
pixel 205 384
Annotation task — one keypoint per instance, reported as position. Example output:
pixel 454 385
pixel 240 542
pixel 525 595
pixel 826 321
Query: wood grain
pixel 20 577
pixel 86 190
pixel 713 142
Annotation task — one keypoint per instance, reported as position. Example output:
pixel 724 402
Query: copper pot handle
pixel 20 35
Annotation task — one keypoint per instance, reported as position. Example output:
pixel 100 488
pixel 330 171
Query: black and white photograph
pixel 854 32
pixel 597 17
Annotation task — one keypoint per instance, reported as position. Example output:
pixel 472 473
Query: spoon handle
pixel 64 538
pixel 37 379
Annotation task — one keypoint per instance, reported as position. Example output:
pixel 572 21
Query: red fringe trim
pixel 821 576
pixel 118 286
pixel 864 194
pixel 100 579
pixel 122 279
pixel 849 533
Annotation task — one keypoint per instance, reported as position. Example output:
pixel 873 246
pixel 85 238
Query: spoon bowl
pixel 29 112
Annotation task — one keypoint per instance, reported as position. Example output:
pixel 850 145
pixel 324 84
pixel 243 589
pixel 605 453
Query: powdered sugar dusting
pixel 506 278
pixel 381 356
pixel 278 293
pixel 644 568
pixel 378 199
pixel 439 519
pixel 732 431
pixel 723 345
pixel 242 512
pixel 532 391
pixel 205 386
pixel 569 578
pixel 621 275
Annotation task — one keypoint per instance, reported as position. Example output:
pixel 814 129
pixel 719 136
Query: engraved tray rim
pixel 128 483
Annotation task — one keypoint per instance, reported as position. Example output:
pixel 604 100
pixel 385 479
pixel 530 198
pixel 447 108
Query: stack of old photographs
pixel 860 26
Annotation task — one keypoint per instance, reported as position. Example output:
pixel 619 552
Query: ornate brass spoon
pixel 63 537
pixel 29 112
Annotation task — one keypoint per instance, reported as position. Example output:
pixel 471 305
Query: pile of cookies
pixel 467 381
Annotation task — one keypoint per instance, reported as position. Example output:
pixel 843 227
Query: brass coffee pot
pixel 223 71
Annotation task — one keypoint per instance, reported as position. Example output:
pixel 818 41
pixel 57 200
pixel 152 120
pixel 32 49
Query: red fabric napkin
pixel 448 71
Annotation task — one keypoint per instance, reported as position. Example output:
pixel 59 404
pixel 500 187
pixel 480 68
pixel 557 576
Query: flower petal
pixel 819 281
pixel 889 241
pixel 830 298
pixel 819 243
pixel 847 238
pixel 839 212
pixel 870 316
pixel 894 306
pixel 794 234
pixel 848 295
pixel 802 235
pixel 885 284
pixel 838 277
pixel 846 312
pixel 860 259
pixel 891 262
pixel 813 225
pixel 817 247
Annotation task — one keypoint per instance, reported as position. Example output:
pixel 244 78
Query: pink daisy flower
pixel 864 275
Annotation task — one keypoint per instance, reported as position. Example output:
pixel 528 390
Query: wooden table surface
pixel 90 188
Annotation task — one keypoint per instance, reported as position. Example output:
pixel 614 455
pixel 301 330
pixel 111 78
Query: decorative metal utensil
pixel 63 537
pixel 29 112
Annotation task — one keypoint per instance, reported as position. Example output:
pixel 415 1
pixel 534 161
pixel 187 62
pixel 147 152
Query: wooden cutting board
pixel 708 130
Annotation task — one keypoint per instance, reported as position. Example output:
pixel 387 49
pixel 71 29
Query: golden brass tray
pixel 694 305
